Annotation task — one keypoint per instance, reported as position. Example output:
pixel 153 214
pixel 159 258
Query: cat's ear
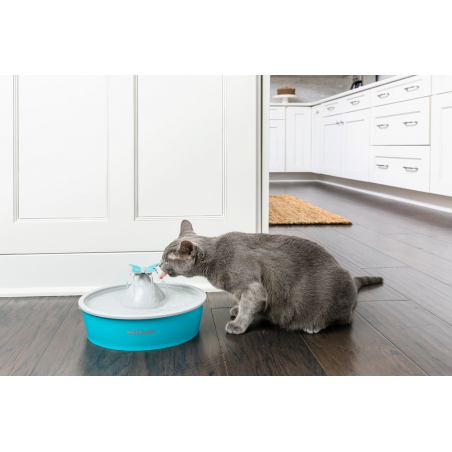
pixel 187 249
pixel 185 227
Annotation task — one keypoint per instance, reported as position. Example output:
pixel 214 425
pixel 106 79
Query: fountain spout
pixel 143 292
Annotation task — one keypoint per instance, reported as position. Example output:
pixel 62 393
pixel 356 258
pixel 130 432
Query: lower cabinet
pixel 406 144
pixel 345 145
pixel 441 84
pixel 355 148
pixel 331 145
pixel 277 146
pixel 298 139
pixel 316 128
pixel 290 141
pixel 441 149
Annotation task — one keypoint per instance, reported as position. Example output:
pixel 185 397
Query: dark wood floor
pixel 403 327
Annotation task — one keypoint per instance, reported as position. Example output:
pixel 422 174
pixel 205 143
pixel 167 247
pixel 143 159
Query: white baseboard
pixel 395 197
pixel 28 275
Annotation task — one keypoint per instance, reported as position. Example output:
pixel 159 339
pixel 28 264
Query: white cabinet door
pixel 91 164
pixel 277 146
pixel 298 139
pixel 331 139
pixel 316 139
pixel 441 84
pixel 441 149
pixel 355 149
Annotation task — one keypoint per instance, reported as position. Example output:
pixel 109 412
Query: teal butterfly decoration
pixel 149 269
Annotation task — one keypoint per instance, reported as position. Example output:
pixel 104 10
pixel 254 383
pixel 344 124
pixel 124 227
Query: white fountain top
pixel 106 302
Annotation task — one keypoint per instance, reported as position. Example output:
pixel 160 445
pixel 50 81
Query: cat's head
pixel 182 256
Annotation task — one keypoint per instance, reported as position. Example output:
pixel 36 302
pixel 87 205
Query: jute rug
pixel 285 209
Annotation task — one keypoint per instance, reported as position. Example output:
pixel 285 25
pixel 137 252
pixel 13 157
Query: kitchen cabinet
pixel 441 84
pixel 277 146
pixel 441 149
pixel 316 129
pixel 344 145
pixel 397 133
pixel 355 145
pixel 298 139
pixel 331 145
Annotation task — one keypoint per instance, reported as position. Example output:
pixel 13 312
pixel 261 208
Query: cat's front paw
pixel 234 311
pixel 234 328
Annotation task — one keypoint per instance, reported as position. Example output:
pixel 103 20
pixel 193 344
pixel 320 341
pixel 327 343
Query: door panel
pixel 62 147
pixel 133 164
pixel 182 146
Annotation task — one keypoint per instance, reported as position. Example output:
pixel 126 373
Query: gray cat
pixel 293 282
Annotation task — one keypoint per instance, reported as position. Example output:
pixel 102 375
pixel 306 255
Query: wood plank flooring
pixel 403 327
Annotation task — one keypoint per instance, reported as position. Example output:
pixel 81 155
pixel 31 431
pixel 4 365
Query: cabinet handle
pixel 383 166
pixel 412 88
pixel 342 122
pixel 330 108
pixel 338 123
pixel 410 123
pixel 354 102
pixel 383 95
pixel 411 168
pixel 383 126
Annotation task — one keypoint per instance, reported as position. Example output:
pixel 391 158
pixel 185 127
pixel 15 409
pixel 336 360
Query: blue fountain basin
pixel 110 325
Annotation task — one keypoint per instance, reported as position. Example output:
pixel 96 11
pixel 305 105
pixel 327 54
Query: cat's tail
pixel 367 281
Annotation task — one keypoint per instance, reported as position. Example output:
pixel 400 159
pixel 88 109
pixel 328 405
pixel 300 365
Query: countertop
pixel 345 93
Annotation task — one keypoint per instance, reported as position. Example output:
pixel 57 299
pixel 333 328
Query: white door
pixel 355 149
pixel 298 139
pixel 93 164
pixel 277 146
pixel 331 145
pixel 441 148
pixel 316 139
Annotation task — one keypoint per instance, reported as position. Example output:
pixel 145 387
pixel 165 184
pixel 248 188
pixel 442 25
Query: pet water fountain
pixel 142 314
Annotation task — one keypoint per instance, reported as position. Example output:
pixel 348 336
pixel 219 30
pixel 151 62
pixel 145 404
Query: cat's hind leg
pixel 252 302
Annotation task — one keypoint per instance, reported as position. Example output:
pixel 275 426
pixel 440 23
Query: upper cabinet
pixel 399 91
pixel 441 150
pixel 441 84
pixel 298 139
